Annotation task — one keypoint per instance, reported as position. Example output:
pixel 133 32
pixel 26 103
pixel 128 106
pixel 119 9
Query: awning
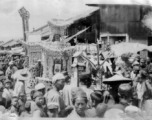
pixel 10 43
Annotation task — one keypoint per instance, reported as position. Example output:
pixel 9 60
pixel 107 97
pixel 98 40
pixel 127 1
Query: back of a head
pixel 85 78
pixel 97 95
pixel 125 90
pixel 101 109
pixel 143 73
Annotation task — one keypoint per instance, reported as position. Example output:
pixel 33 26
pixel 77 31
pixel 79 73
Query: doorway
pixel 149 44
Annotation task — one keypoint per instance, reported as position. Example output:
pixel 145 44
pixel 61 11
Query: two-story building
pixel 115 23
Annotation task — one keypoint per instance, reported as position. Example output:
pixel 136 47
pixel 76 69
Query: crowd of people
pixel 91 99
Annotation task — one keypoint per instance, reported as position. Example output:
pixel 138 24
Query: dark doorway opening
pixel 149 44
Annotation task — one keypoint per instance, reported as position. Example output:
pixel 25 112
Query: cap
pixel 37 94
pixel 39 86
pixel 78 93
pixel 52 105
pixel 57 76
pixel 125 89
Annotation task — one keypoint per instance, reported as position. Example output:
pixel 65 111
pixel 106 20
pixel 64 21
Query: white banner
pixel 34 38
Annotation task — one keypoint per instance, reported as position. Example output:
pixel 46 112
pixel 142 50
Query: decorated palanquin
pixel 55 57
pixel 54 53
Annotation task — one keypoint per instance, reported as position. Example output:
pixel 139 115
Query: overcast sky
pixel 42 11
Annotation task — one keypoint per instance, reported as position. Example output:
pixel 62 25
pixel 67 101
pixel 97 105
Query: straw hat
pixel 117 78
pixel 22 75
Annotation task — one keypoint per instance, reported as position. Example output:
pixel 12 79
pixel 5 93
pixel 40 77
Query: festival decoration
pixel 121 48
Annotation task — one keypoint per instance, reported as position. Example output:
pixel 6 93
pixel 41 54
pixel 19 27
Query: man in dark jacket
pixel 125 97
pixel 39 69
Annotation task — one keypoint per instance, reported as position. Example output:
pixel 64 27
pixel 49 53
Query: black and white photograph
pixel 76 59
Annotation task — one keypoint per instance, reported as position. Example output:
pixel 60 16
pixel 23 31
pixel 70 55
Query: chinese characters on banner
pixel 90 48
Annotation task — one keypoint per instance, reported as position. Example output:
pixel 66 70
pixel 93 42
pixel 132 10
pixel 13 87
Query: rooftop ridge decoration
pixel 58 26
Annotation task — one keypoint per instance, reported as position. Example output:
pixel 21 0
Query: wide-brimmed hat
pixel 23 74
pixel 117 78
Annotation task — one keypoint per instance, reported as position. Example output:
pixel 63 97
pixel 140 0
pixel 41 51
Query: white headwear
pixel 57 76
pixel 132 109
pixel 39 86
pixel 113 113
pixel 11 63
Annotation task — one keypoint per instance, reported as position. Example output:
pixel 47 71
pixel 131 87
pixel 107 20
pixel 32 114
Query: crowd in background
pixel 91 99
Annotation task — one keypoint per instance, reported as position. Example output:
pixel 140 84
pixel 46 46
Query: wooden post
pixel 96 32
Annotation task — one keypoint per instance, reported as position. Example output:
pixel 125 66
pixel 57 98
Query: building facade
pixel 119 22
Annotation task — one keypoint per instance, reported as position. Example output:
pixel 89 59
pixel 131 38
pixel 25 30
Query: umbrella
pixel 78 33
pixel 117 78
pixel 123 48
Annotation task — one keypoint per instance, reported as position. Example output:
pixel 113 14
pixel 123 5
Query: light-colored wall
pixel 143 54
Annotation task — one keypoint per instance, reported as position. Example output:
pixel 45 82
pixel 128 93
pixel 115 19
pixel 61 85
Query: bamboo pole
pixel 96 32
